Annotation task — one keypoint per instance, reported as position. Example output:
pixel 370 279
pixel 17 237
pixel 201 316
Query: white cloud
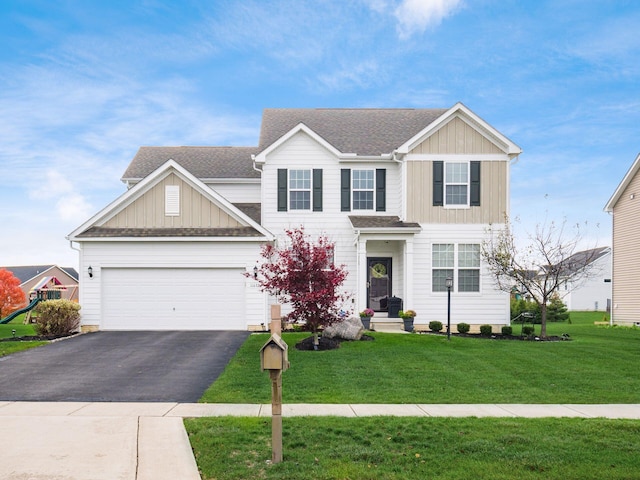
pixel 415 16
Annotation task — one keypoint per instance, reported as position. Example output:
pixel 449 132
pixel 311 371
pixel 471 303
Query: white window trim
pixel 456 268
pixel 310 189
pixel 445 184
pixel 373 190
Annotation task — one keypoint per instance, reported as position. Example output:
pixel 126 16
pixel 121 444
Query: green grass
pixel 6 331
pixel 598 366
pixel 411 448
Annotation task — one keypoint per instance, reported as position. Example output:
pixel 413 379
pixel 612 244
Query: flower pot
pixel 408 324
pixel 366 322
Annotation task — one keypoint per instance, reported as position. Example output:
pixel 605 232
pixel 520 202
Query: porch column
pixel 361 301
pixel 408 274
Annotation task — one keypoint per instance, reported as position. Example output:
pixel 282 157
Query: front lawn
pixel 6 331
pixel 599 365
pixel 389 448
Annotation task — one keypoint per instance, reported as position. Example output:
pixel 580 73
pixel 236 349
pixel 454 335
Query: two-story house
pixel 407 196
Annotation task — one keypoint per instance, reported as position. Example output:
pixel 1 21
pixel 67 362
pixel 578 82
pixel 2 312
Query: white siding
pixel 593 293
pixel 238 192
pixel 489 306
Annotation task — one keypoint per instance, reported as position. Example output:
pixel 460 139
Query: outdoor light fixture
pixel 90 271
pixel 255 272
pixel 449 284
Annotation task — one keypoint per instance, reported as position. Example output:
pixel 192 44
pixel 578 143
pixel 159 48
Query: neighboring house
pixel 624 206
pixel 593 293
pixel 44 276
pixel 407 196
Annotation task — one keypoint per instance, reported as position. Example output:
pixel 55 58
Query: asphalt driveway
pixel 120 367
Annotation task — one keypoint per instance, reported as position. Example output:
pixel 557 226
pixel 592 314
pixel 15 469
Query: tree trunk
pixel 543 319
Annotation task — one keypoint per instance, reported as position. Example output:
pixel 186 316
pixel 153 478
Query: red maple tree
pixel 11 295
pixel 304 275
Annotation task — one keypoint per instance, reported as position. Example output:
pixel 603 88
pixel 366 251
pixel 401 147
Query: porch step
pixel 388 325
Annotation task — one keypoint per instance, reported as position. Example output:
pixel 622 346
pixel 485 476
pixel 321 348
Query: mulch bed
pixel 326 343
pixel 35 338
pixel 499 336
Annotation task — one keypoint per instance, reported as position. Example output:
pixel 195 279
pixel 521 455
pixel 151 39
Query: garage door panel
pixel 173 299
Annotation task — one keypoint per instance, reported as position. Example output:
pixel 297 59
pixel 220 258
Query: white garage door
pixel 172 299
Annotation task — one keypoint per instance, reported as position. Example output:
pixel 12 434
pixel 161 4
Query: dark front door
pixel 378 283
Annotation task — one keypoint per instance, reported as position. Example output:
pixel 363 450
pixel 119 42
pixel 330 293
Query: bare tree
pixel 539 266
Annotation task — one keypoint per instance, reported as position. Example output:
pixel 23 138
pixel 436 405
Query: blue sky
pixel 84 83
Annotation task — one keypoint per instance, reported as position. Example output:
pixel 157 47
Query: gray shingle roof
pixel 378 221
pixel 203 162
pixel 107 232
pixel 361 131
pixel 252 210
pixel 27 272
pixel 350 130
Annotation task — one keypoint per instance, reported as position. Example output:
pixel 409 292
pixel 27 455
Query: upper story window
pixel 363 189
pixel 456 184
pixel 362 183
pixel 172 200
pixel 300 189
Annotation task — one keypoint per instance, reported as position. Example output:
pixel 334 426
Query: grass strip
pixel 408 448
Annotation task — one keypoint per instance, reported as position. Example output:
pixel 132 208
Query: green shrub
pixel 435 326
pixel 528 330
pixel 57 317
pixel 486 330
pixel 507 330
pixel 519 306
pixel 557 310
pixel 464 327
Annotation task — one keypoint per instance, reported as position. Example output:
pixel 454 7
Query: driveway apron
pixel 132 366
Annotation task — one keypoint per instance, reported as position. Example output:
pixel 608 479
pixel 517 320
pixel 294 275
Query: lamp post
pixel 449 283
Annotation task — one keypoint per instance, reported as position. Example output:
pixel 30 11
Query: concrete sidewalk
pixel 139 441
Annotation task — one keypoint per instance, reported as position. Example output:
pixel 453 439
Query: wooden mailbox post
pixel 275 359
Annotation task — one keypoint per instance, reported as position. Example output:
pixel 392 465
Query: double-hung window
pixel 456 183
pixel 469 267
pixel 362 188
pixel 442 262
pixel 300 189
pixel 459 262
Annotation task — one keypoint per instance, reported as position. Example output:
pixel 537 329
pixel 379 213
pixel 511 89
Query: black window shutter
pixel 438 184
pixel 381 190
pixel 345 190
pixel 282 189
pixel 317 189
pixel 474 199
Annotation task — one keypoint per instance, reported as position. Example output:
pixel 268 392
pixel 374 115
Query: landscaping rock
pixel 347 329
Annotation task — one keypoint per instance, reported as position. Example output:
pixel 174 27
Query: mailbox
pixel 273 354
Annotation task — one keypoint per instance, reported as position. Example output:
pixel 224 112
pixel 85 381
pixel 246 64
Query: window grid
pixel 456 183
pixel 463 266
pixel 300 189
pixel 362 184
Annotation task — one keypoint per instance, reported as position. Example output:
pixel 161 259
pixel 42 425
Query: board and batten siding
pixel 494 195
pixel 457 137
pixel 626 252
pixel 163 255
pixel 148 211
